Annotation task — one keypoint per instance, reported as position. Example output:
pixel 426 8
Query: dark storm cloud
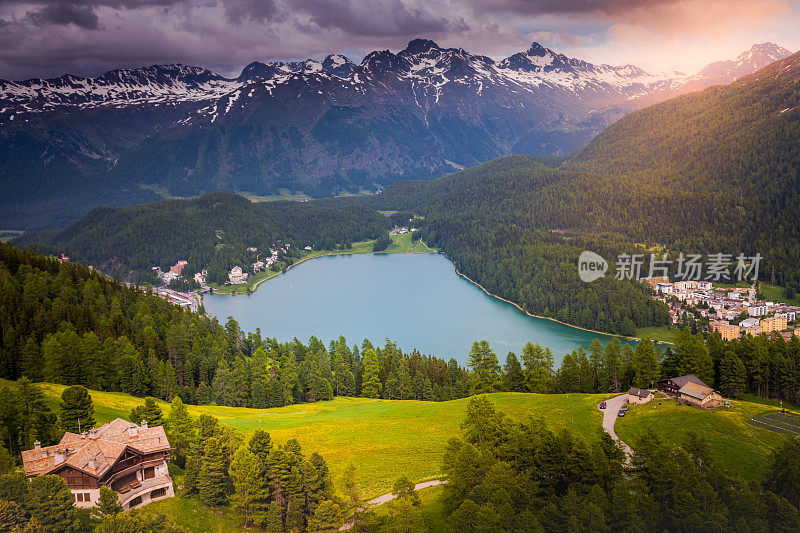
pixel 372 18
pixel 51 37
pixel 65 13
pixel 259 10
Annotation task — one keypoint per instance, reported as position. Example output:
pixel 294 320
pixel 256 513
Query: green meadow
pixel 384 439
pixel 736 445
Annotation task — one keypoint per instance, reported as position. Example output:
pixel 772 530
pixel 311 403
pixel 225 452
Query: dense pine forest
pixel 63 323
pixel 213 232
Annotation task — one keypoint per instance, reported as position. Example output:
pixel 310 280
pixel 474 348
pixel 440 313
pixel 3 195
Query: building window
pixel 78 496
pixel 149 473
pixel 136 501
pixel 87 496
pixel 158 493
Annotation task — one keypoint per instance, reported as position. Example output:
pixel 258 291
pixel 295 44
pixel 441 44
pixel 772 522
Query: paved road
pixel 610 417
pixel 385 498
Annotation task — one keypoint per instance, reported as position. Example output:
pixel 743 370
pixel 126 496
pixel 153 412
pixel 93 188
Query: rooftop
pixel 696 391
pixel 96 451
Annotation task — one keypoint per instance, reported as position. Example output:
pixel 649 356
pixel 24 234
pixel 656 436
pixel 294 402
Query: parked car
pixel 621 412
pixel 602 405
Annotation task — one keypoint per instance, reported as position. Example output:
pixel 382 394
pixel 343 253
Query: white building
pixel 236 275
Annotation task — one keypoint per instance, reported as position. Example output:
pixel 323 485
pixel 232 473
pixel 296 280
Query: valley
pixel 465 283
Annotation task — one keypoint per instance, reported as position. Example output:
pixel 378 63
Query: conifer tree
pixel 212 481
pixel 251 493
pixel 261 445
pixel 732 374
pixel 371 384
pixel 76 410
pixel 180 431
pixel 513 378
pixel 485 368
pixel 150 412
pixel 52 504
pixel 108 502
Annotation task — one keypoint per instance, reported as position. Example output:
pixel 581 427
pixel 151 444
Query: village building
pixel 673 385
pixel 236 275
pixel 775 323
pixel 699 396
pixel 637 396
pixel 129 459
pixel 726 331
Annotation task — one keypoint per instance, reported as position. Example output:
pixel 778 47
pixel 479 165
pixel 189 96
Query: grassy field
pixel 657 333
pixel 384 439
pixel 775 294
pixel 432 509
pixel 736 445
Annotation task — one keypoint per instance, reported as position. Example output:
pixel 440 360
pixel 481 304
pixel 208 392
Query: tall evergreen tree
pixel 52 504
pixel 513 378
pixel 108 502
pixel 251 492
pixel 180 431
pixel 149 412
pixel 76 410
pixel 371 383
pixel 485 368
pixel 538 364
pixel 732 374
pixel 212 481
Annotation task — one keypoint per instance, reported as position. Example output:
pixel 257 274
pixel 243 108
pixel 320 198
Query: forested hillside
pixel 63 323
pixel 212 232
pixel 716 171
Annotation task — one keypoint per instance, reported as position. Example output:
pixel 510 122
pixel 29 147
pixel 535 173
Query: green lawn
pixel 432 509
pixel 657 333
pixel 422 248
pixel 384 439
pixel 774 293
pixel 736 445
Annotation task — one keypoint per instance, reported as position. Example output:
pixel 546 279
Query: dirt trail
pixel 385 498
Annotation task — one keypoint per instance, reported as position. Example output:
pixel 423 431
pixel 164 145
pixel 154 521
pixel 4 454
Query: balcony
pixel 130 470
pixel 142 493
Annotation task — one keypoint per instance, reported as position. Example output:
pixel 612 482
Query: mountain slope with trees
pixel 212 232
pixel 712 172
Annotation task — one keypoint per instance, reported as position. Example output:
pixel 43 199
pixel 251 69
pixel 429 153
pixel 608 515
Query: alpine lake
pixel 416 300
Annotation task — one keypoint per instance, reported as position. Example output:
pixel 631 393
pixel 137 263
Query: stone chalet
pixel 700 396
pixel 130 459
pixel 636 396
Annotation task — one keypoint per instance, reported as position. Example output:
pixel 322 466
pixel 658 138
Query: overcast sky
pixel 40 38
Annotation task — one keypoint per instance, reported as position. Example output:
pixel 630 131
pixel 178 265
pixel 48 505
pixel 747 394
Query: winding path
pixel 385 498
pixel 610 417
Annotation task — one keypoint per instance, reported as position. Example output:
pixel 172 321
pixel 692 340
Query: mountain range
pixel 318 127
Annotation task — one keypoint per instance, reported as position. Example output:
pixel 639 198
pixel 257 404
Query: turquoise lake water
pixel 417 300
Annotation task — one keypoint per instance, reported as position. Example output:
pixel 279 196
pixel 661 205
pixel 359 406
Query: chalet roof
pixel 633 391
pixel 693 390
pixel 95 452
pixel 680 381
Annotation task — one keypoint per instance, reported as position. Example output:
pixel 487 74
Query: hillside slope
pixel 320 127
pixel 712 172
pixel 211 231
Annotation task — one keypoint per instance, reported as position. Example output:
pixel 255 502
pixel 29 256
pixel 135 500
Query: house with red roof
pixel 128 458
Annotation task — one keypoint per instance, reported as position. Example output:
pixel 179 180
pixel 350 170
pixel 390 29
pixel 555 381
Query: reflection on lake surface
pixel 417 300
